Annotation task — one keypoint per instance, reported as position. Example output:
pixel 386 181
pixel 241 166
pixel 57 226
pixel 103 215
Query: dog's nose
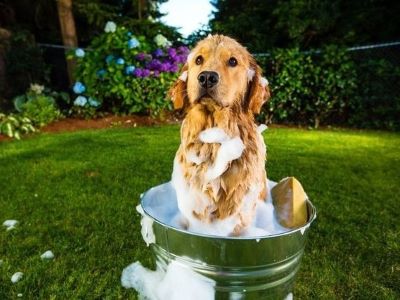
pixel 207 79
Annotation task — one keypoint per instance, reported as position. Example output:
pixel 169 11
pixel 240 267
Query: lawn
pixel 75 193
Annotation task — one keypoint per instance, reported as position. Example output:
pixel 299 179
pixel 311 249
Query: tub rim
pixel 312 213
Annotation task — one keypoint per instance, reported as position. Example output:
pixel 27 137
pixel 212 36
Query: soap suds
pixel 231 149
pixel 289 296
pixel 213 135
pixel 10 224
pixel 250 74
pixel 47 255
pixel 165 208
pixel 178 282
pixel 261 128
pixel 192 157
pixel 189 57
pixel 147 227
pixel 183 76
pixel 16 277
pixel 235 296
pixel 264 82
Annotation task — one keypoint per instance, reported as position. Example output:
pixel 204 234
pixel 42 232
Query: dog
pixel 219 169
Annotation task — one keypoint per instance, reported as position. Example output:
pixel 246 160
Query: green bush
pixel 311 89
pixel 24 64
pixel 378 104
pixel 39 105
pixel 15 125
pixel 123 73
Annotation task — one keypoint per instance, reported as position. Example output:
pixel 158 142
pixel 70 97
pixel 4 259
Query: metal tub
pixel 242 268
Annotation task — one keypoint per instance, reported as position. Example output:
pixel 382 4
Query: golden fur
pixel 230 106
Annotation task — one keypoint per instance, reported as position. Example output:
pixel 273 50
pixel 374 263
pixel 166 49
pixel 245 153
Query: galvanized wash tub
pixel 242 268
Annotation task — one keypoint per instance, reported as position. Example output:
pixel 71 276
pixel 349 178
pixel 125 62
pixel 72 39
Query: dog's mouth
pixel 206 94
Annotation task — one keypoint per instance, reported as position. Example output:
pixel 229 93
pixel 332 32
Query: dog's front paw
pixel 213 135
pixel 231 149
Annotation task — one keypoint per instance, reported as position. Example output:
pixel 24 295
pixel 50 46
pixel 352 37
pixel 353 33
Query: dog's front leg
pixel 230 149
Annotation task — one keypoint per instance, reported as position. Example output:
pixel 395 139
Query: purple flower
pixel 173 68
pixel 137 72
pixel 155 64
pixel 156 73
pixel 164 67
pixel 141 72
pixel 181 58
pixel 158 52
pixel 141 56
pixel 145 73
pixel 171 52
pixel 183 50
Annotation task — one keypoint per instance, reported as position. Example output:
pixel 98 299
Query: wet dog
pixel 219 169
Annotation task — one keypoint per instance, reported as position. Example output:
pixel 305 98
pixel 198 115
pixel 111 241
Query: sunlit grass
pixel 75 193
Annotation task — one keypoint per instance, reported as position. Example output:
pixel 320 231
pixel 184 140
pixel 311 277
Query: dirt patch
pixel 4 138
pixel 72 124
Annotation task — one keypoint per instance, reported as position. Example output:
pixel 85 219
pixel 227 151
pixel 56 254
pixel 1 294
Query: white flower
pixel 80 101
pixel 36 88
pixel 93 102
pixel 161 41
pixel 79 52
pixel 110 27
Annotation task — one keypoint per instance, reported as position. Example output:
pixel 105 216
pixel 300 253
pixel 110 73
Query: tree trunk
pixel 68 32
pixel 141 7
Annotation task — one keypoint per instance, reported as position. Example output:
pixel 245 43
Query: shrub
pixel 311 89
pixel 378 104
pixel 15 125
pixel 124 73
pixel 39 105
pixel 24 64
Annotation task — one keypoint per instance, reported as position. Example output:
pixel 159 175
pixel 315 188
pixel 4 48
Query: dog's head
pixel 223 70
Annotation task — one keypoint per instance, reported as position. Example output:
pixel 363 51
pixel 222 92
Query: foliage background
pixel 290 32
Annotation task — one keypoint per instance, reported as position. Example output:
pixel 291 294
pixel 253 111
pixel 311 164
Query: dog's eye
pixel 199 60
pixel 232 62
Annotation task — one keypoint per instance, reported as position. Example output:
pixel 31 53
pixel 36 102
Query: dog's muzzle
pixel 208 79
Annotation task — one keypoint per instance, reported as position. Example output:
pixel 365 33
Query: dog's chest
pixel 220 173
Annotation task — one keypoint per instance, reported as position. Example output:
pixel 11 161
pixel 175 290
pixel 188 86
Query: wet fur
pixel 231 108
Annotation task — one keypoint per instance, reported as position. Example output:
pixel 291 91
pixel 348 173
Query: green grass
pixel 75 193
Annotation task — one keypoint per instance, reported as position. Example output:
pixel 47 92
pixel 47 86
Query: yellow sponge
pixel 290 204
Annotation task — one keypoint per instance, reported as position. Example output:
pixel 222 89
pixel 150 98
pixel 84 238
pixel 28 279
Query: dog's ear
pixel 178 92
pixel 258 91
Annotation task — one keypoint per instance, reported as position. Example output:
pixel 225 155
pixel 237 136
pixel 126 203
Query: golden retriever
pixel 219 169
